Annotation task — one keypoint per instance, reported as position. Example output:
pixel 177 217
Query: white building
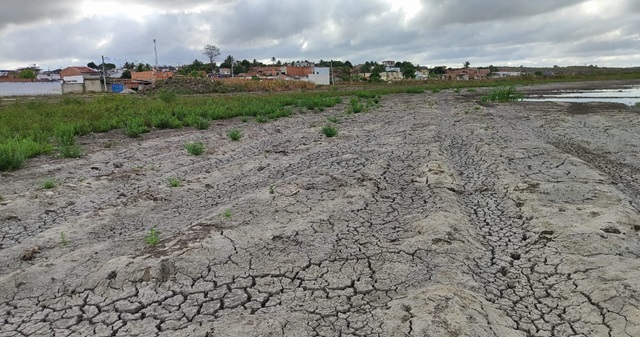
pixel 320 75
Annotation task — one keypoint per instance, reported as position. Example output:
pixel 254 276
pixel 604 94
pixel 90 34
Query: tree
pixel 408 69
pixel 27 73
pixel 92 65
pixel 126 74
pixel 212 52
pixel 273 60
pixel 466 64
pixel 143 67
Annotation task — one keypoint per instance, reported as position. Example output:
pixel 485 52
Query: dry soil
pixel 429 215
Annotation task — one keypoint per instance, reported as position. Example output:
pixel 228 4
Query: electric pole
pixel 104 75
pixel 155 50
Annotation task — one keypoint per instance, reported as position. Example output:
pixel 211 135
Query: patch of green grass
pixel 329 131
pixel 414 90
pixel 502 94
pixel 244 119
pixel 65 134
pixel 70 151
pixel 166 121
pixel 174 182
pixel 197 122
pixel 471 90
pixel 134 128
pixel 195 148
pixel 456 90
pixel 227 214
pixel 152 239
pixel 356 106
pixel 63 239
pixel 14 152
pixel 49 183
pixel 261 119
pixel 167 96
pixel 333 119
pixel 234 134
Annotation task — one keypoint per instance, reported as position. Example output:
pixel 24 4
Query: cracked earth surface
pixel 427 216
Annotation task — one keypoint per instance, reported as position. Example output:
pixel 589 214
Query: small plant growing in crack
pixel 49 183
pixel 227 213
pixel 234 134
pixel 152 239
pixel 174 182
pixel 63 239
pixel 271 190
pixel 196 148
pixel 329 131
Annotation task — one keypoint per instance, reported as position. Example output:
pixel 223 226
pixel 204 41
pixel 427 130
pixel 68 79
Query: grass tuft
pixel 49 183
pixel 152 239
pixel 63 239
pixel 195 148
pixel 329 131
pixel 174 182
pixel 70 151
pixel 227 213
pixel 234 134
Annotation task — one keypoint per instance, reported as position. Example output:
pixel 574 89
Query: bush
pixel 65 134
pixel 134 128
pixel 14 152
pixel 196 148
pixel 70 151
pixel 329 131
pixel 234 134
pixel 167 96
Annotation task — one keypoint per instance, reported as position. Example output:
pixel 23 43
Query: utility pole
pixel 155 50
pixel 104 75
pixel 331 72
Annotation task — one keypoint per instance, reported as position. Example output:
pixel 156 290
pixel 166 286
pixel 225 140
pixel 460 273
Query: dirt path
pixel 429 216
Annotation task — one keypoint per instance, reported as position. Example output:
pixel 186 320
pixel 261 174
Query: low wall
pixel 30 88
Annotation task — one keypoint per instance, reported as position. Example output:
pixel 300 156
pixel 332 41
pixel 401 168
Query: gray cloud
pixel 18 12
pixel 442 32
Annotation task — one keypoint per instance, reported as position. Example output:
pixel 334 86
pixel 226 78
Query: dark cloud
pixel 20 12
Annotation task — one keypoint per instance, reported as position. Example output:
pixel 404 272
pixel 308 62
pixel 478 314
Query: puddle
pixel 628 96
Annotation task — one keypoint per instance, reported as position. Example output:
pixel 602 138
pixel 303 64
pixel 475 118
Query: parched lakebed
pixel 428 215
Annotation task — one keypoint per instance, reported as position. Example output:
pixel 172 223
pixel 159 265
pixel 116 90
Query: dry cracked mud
pixel 427 216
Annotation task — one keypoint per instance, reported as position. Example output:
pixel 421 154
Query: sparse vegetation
pixel 333 119
pixel 227 213
pixel 174 182
pixel 63 239
pixel 414 90
pixel 502 94
pixel 70 151
pixel 271 190
pixel 195 148
pixel 134 128
pixel 234 134
pixel 49 183
pixel 329 131
pixel 152 239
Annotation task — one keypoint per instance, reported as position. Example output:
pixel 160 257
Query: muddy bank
pixel 428 216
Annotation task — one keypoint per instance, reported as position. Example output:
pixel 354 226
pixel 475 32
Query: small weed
pixel 70 151
pixel 414 90
pixel 471 90
pixel 227 214
pixel 356 106
pixel 201 123
pixel 329 131
pixel 476 108
pixel 1 198
pixel 234 134
pixel 271 190
pixel 435 90
pixel 152 239
pixel 456 90
pixel 63 239
pixel 333 119
pixel 244 119
pixel 49 183
pixel 196 148
pixel 174 182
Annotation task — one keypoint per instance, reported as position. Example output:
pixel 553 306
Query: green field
pixel 49 125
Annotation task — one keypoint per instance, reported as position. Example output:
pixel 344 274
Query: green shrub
pixel 174 182
pixel 166 121
pixel 49 183
pixel 167 96
pixel 134 128
pixel 65 134
pixel 70 151
pixel 195 148
pixel 14 152
pixel 234 134
pixel 329 131
pixel 152 239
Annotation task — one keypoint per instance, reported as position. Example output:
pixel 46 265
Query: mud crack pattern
pixel 418 220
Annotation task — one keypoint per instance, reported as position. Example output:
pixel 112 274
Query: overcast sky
pixel 59 33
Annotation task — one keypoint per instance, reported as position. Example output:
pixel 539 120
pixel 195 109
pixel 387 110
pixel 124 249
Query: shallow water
pixel 628 96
